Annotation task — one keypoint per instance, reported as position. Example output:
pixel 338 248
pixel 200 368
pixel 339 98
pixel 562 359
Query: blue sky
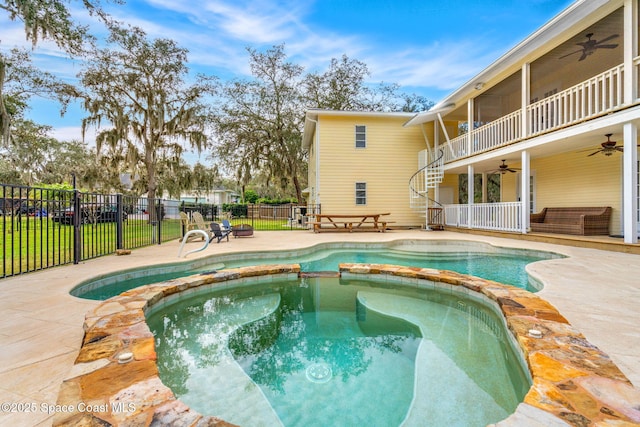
pixel 429 47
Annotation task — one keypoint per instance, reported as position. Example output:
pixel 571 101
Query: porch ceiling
pixel 551 68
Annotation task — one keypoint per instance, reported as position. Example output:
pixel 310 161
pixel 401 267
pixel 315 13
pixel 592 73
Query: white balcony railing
pixel 503 131
pixel 455 148
pixel 504 216
pixel 597 96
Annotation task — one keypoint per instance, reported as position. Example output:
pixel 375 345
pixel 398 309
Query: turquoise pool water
pixel 505 267
pixel 326 351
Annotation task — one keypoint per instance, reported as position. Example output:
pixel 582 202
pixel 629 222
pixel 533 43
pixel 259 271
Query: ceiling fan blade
pixel 619 149
pixel 584 55
pixel 606 46
pixel 594 153
pixel 572 53
pixel 606 39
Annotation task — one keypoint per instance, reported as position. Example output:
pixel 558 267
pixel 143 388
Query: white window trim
pixel 356 133
pixel 365 193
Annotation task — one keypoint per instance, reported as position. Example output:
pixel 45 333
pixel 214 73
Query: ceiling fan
pixel 503 168
pixel 608 147
pixel 590 46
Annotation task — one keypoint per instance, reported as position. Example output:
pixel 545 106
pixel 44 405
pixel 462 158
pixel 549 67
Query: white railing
pixel 636 63
pixel 504 216
pixel 599 95
pixel 456 215
pixel 503 131
pixel 456 148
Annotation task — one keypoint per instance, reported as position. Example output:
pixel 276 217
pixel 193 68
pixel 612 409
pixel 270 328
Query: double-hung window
pixel 361 193
pixel 361 136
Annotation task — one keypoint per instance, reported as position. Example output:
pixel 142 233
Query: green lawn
pixel 35 243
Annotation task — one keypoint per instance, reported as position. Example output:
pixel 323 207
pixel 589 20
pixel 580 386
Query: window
pixel 361 193
pixel 361 136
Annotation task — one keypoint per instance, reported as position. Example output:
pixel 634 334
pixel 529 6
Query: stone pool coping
pixel 574 383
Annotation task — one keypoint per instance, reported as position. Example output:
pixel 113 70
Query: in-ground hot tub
pixel 572 381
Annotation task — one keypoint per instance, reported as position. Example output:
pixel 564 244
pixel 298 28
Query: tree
pixel 36 157
pixel 343 87
pixel 19 81
pixel 136 93
pixel 415 103
pixel 260 122
pixel 43 20
pixel 259 126
pixel 51 20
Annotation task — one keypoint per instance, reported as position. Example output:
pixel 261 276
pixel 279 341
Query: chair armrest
pixel 537 217
pixel 597 219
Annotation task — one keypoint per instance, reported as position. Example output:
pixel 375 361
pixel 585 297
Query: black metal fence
pixel 43 228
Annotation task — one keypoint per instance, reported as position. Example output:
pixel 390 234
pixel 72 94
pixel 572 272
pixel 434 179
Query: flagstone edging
pixel 574 383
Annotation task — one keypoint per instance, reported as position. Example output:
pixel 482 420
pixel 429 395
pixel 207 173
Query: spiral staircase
pixel 425 179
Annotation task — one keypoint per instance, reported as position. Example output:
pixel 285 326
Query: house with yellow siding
pixel 552 123
pixel 361 163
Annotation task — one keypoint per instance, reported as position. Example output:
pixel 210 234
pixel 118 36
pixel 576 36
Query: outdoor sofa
pixel 584 221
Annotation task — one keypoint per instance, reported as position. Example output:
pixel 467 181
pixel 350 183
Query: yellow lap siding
pixel 385 165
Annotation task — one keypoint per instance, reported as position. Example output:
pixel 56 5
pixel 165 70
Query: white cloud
pixel 216 33
pixel 70 133
pixel 440 66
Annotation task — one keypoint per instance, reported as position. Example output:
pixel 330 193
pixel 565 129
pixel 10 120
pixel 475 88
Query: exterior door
pixel 532 190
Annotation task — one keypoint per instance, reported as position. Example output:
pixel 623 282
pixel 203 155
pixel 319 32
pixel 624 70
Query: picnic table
pixel 349 222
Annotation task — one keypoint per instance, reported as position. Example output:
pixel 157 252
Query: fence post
pixel 119 221
pixel 159 218
pixel 77 231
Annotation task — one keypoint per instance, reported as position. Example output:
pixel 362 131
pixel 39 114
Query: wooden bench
pixel 349 223
pixel 587 221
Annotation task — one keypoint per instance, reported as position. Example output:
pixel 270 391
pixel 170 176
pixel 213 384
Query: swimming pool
pixel 300 353
pixel 504 265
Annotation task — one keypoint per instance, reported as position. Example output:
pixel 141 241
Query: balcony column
pixel 630 51
pixel 470 192
pixel 485 191
pixel 526 96
pixel 630 183
pixel 525 191
pixel 436 154
pixel 470 120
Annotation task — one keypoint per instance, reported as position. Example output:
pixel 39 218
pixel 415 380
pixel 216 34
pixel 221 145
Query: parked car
pixel 31 211
pixel 89 215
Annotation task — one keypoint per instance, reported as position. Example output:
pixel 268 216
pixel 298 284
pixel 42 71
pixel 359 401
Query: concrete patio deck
pixel 41 324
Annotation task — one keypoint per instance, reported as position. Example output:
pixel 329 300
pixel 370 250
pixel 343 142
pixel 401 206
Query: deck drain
pixel 319 373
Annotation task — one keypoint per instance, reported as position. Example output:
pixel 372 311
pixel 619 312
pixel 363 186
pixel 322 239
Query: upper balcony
pixel 597 96
pixel 570 73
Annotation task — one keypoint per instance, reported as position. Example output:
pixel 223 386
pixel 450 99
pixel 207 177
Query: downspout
pixel 317 148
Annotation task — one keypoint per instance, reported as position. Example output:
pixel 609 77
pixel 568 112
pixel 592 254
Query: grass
pixel 35 243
